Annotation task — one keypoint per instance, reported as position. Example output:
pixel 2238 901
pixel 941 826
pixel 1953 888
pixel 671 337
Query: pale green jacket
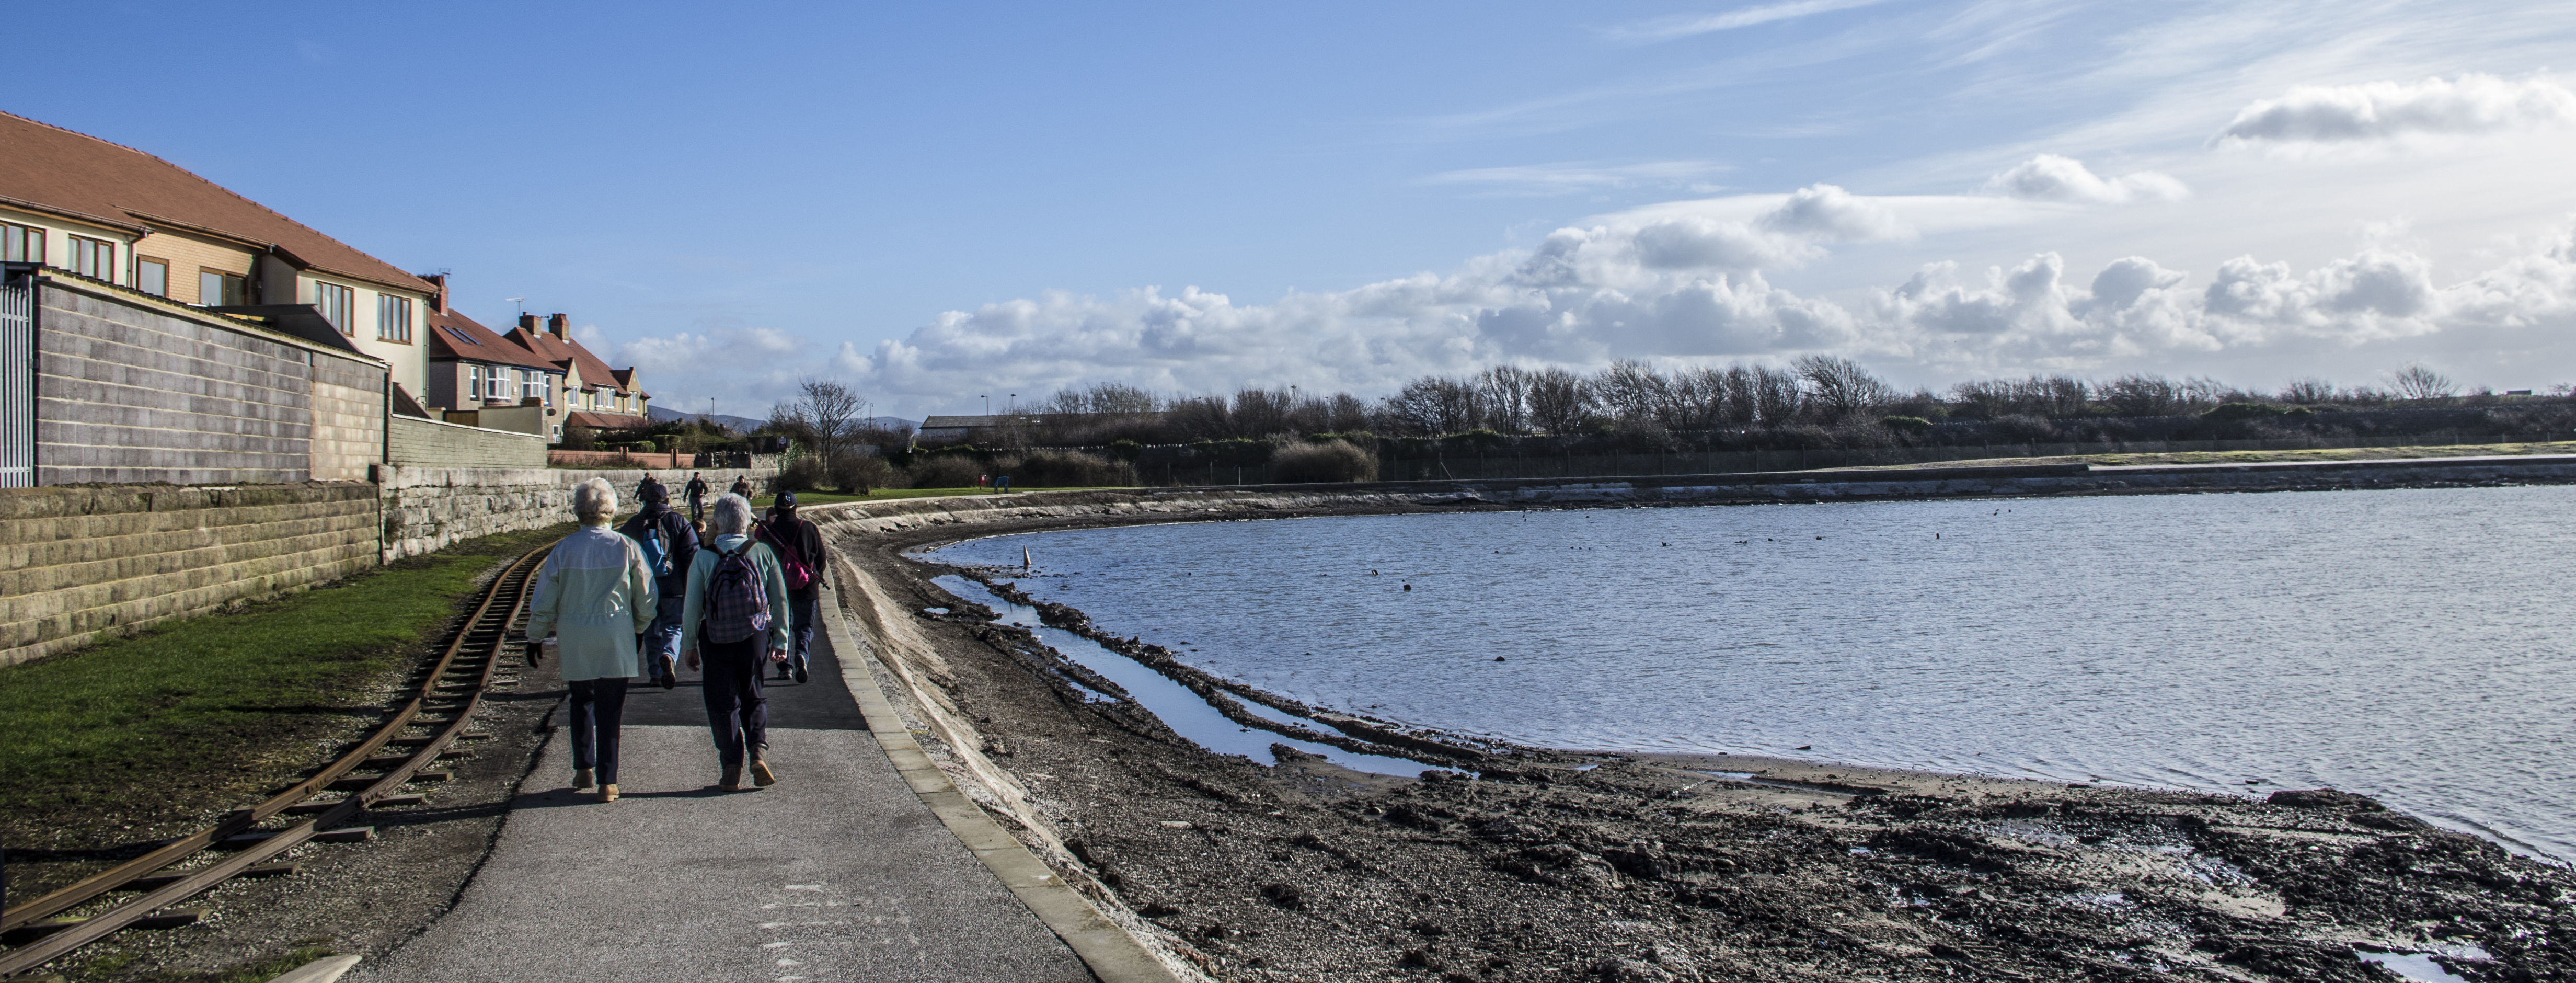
pixel 773 585
pixel 594 596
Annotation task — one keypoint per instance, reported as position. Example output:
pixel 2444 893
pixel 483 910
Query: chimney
pixel 437 298
pixel 560 325
pixel 528 323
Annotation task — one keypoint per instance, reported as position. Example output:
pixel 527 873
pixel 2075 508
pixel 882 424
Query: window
pixel 94 258
pixel 216 288
pixel 393 318
pixel 546 389
pixel 152 276
pixel 334 301
pixel 463 337
pixel 473 385
pixel 21 244
pixel 532 384
pixel 499 387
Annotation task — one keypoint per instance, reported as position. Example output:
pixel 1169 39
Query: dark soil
pixel 1527 864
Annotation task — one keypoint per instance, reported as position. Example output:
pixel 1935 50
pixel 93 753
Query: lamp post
pixel 988 404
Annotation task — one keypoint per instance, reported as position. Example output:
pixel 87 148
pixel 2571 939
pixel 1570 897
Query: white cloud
pixel 1686 25
pixel 1575 177
pixel 2049 177
pixel 2381 111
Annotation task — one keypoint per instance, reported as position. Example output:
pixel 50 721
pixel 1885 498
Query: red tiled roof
pixel 56 169
pixel 594 373
pixel 453 336
pixel 605 421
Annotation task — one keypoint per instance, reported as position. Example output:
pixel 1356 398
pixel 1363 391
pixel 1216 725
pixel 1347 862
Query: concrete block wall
pixel 128 391
pixel 415 442
pixel 77 563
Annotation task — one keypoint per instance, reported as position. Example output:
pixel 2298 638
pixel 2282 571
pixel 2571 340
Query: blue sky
pixel 940 203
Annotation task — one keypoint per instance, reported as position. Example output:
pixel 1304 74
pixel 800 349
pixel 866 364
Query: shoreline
pixel 1546 863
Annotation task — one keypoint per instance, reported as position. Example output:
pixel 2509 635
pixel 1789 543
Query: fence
pixel 1507 465
pixel 17 383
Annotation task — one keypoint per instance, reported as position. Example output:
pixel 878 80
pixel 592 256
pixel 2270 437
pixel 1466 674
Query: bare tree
pixel 1840 388
pixel 2143 395
pixel 1432 406
pixel 1505 389
pixel 1558 401
pixel 1776 398
pixel 2419 382
pixel 1261 412
pixel 2308 390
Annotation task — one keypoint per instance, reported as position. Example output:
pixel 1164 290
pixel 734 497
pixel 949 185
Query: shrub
pixel 1067 469
pixel 1126 450
pixel 1914 426
pixel 2228 412
pixel 1233 451
pixel 803 474
pixel 2025 428
pixel 1332 460
pixel 855 474
pixel 944 471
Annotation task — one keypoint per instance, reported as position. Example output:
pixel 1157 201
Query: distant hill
pixel 744 424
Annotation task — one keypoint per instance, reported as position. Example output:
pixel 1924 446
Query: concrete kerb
pixel 1109 950
pixel 323 970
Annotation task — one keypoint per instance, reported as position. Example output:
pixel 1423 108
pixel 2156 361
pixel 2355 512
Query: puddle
pixel 2420 966
pixel 1181 710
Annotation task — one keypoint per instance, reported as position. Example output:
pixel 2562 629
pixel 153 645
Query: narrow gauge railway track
pixel 425 726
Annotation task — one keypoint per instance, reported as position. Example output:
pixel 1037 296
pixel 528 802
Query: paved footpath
pixel 838 872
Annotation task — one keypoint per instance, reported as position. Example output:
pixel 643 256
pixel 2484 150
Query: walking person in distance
pixel 697 489
pixel 669 546
pixel 594 596
pixel 742 487
pixel 799 547
pixel 734 619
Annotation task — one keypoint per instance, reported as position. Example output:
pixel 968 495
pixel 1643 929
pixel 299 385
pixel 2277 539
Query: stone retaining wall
pixel 78 562
pixel 428 508
pixel 413 441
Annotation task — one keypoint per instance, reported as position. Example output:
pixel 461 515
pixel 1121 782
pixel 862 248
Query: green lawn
pixel 210 712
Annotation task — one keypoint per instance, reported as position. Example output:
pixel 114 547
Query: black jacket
pixel 683 538
pixel 803 542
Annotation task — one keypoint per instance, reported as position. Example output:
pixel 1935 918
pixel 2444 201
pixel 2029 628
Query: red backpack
pixel 791 562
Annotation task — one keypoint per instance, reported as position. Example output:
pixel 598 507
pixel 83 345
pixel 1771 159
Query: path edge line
pixel 1107 948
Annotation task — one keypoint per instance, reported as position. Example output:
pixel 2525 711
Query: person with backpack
pixel 799 547
pixel 669 546
pixel 593 595
pixel 734 618
pixel 696 489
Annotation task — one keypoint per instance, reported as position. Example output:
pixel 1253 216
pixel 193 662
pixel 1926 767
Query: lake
pixel 2410 644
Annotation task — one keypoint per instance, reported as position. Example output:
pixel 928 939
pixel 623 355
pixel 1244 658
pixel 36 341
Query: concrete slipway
pixel 861 863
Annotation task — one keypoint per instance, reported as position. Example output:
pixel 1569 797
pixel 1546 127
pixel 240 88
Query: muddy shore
pixel 1518 863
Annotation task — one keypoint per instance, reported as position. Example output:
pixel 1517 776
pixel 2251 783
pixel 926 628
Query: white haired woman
pixel 594 597
pixel 734 614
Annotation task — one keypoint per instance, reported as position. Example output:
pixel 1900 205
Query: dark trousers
pixel 598 709
pixel 800 626
pixel 737 709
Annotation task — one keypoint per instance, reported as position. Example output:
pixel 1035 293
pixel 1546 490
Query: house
pixel 125 218
pixel 479 378
pixel 592 394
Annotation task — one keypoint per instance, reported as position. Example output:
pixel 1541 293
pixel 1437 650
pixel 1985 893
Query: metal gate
pixel 18 381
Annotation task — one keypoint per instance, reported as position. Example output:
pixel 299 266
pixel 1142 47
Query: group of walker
pixel 644 600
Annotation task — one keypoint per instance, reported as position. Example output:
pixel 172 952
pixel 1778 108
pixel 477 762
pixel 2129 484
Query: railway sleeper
pixel 168 918
pixel 345 834
pixel 362 784
pixel 393 760
pixel 156 882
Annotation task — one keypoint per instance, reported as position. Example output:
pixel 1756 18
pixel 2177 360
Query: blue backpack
pixel 656 542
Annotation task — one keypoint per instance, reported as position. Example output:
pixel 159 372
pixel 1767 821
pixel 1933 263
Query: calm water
pixel 2411 645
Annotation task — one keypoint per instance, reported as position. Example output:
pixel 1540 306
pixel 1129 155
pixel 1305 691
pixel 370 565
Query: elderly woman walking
pixel 733 619
pixel 594 597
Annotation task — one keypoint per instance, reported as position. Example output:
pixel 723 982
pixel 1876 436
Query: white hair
pixel 732 514
pixel 594 500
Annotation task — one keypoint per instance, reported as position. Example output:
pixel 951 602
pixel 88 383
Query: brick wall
pixel 416 442
pixel 77 562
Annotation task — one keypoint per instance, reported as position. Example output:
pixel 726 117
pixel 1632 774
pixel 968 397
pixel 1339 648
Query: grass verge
pixel 145 736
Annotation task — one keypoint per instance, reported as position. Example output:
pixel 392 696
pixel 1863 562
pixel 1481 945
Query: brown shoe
pixel 608 793
pixel 581 778
pixel 732 780
pixel 761 775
